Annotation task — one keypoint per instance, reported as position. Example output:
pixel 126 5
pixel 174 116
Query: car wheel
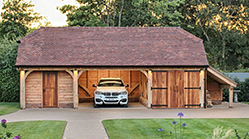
pixel 126 105
pixel 95 106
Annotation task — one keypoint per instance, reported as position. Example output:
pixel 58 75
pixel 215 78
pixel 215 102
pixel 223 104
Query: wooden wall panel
pixel 125 76
pixel 144 86
pixel 33 88
pixel 92 79
pixel 103 74
pixel 215 90
pixel 114 73
pixel 134 80
pixel 83 80
pixel 65 87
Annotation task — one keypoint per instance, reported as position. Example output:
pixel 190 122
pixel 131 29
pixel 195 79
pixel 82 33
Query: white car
pixel 110 91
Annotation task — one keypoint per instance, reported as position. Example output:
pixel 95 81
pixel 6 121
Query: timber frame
pixel 76 72
pixel 224 81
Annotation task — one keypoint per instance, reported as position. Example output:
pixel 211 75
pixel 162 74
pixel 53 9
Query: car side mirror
pixel 127 85
pixel 94 85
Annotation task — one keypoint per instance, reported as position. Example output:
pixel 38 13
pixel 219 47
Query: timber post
pixel 149 88
pixel 230 97
pixel 75 89
pixel 202 90
pixel 22 89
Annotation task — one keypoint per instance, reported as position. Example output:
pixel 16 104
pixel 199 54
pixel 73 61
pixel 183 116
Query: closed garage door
pixel 175 88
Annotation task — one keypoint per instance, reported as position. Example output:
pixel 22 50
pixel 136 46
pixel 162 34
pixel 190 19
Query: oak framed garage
pixel 165 67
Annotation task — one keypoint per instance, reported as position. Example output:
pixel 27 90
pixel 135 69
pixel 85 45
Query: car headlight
pixel 123 93
pixel 98 93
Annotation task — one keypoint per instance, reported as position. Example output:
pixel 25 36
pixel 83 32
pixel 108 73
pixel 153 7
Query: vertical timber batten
pixel 22 89
pixel 149 89
pixel 202 84
pixel 230 97
pixel 75 89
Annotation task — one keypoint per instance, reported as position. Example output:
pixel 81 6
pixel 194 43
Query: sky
pixel 48 9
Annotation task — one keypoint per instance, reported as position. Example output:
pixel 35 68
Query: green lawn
pixel 245 102
pixel 37 129
pixel 9 107
pixel 148 128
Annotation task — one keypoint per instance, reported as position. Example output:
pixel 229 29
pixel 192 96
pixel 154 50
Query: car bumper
pixel 101 100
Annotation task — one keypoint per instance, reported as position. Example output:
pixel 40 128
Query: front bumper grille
pixel 110 93
pixel 111 100
pixel 107 94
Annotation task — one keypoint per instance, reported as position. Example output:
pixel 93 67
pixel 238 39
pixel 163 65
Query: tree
pixel 222 24
pixel 123 13
pixel 17 16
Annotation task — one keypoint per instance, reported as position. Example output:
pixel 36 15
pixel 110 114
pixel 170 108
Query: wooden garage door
pixel 49 89
pixel 192 88
pixel 175 89
pixel 159 89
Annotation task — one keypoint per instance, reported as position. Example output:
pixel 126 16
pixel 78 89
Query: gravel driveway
pixel 86 123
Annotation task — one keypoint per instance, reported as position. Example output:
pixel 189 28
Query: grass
pixel 9 107
pixel 148 128
pixel 245 102
pixel 37 129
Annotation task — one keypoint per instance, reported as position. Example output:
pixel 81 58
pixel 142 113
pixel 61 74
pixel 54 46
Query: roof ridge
pixel 105 28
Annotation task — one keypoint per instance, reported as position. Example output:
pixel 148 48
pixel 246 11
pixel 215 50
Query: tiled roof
pixel 111 46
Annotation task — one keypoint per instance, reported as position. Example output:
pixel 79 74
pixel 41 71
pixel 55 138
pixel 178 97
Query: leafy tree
pixel 17 16
pixel 222 24
pixel 123 13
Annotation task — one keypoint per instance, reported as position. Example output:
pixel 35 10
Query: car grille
pixel 115 94
pixel 111 100
pixel 111 97
pixel 110 93
pixel 107 93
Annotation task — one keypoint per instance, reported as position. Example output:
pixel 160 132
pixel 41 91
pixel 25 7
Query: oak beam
pixel 149 88
pixel 75 89
pixel 230 97
pixel 85 89
pixel 22 89
pixel 80 73
pixel 133 88
pixel 202 84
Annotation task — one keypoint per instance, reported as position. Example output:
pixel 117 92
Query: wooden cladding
pixel 48 89
pixel 33 89
pixel 65 88
pixel 175 89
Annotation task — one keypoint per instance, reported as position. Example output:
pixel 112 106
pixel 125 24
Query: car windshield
pixel 110 83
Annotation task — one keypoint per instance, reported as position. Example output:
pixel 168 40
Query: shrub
pixel 243 95
pixel 9 76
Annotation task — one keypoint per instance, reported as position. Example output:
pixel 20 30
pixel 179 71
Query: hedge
pixel 9 75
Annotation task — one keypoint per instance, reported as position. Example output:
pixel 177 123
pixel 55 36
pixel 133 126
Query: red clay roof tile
pixel 111 46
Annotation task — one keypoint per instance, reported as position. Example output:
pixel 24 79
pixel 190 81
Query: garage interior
pixel 137 81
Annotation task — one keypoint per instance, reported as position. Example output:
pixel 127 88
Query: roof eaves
pixel 222 75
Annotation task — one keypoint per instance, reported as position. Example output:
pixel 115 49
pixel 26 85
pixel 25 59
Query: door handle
pixel 43 90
